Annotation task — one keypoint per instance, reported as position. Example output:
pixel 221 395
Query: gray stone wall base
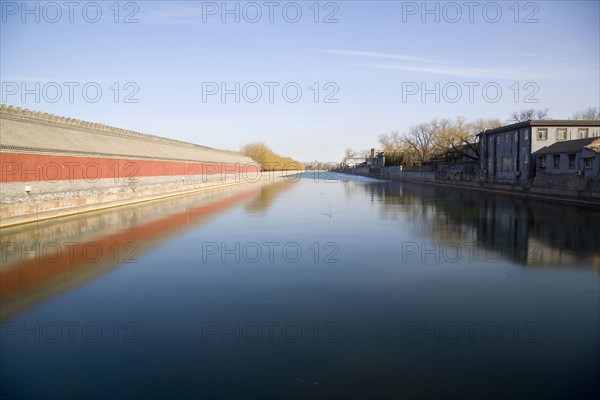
pixel 57 199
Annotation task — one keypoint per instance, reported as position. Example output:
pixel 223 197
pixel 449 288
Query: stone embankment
pixel 53 166
pixel 574 189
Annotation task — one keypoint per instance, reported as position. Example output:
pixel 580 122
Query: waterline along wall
pixel 53 166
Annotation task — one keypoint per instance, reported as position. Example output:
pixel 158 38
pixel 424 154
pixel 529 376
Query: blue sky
pixel 546 51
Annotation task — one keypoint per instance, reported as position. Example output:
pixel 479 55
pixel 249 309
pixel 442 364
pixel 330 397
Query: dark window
pixel 542 162
pixel 571 160
pixel 587 163
pixel 556 160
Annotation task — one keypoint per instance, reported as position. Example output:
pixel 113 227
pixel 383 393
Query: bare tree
pixel 542 114
pixel 589 113
pixel 396 150
pixel 364 154
pixel 457 139
pixel 448 138
pixel 526 115
pixel 444 133
pixel 349 153
pixel 391 142
pixel 421 140
pixel 479 125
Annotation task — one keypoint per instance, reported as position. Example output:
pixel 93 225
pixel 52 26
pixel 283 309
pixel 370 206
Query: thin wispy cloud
pixel 373 54
pixel 435 67
pixel 466 72
pixel 536 55
pixel 532 74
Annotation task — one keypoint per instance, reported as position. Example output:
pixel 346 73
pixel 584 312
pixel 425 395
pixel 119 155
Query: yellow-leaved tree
pixel 268 159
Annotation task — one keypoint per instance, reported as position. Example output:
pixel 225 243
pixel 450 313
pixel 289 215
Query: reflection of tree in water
pixel 524 230
pixel 268 194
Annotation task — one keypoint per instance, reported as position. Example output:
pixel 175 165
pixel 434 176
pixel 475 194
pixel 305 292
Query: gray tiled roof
pixel 566 146
pixel 542 122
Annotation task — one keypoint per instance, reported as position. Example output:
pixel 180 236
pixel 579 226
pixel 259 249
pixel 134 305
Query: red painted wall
pixel 19 167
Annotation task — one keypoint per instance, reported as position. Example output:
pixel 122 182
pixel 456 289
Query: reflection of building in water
pixel 523 230
pixel 542 253
pixel 40 260
pixel 575 232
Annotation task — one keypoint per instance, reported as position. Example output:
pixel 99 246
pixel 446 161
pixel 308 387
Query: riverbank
pixel 554 195
pixel 104 195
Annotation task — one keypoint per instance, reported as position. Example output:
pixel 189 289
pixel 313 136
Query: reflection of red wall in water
pixel 33 273
pixel 17 167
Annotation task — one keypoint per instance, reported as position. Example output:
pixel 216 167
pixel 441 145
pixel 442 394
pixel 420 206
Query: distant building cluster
pixel 517 153
pixel 559 157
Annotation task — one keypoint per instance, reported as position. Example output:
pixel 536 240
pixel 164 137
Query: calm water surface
pixel 339 288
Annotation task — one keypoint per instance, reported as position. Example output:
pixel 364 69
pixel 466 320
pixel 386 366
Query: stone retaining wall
pixel 51 200
pixel 578 190
pixel 54 166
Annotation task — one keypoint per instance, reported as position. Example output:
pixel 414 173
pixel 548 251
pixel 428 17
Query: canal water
pixel 318 286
